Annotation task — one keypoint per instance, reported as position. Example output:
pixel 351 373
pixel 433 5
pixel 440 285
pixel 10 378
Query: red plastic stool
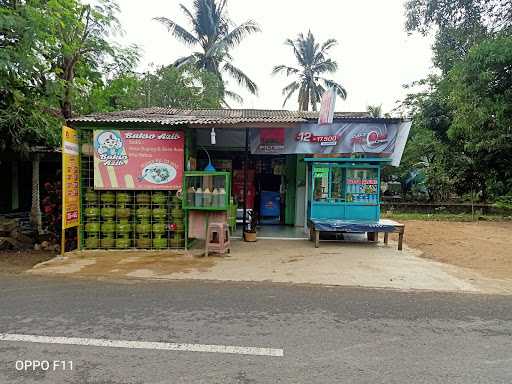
pixel 217 239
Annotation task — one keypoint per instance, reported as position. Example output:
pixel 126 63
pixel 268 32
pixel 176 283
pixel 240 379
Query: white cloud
pixel 375 54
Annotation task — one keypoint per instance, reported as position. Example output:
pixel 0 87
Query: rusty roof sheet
pixel 198 117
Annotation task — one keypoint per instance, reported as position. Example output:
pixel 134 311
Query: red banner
pixel 138 159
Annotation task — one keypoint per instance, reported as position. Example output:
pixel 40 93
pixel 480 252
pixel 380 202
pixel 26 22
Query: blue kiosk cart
pixel 344 196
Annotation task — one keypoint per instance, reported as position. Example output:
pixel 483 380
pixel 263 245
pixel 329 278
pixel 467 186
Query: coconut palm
pixel 214 34
pixel 312 64
pixel 374 110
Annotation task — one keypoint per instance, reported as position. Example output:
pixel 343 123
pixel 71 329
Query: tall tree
pixel 52 54
pixel 467 109
pixel 215 35
pixel 459 24
pixel 312 63
pixel 184 87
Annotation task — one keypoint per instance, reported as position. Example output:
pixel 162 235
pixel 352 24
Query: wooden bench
pixel 343 226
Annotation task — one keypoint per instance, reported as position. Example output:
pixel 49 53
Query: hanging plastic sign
pixel 367 138
pixel 138 159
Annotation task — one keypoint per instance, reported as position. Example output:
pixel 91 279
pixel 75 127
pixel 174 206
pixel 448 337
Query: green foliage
pixel 375 111
pixel 184 87
pixel 465 114
pixel 215 35
pixel 52 53
pixel 312 64
pixel 459 25
pixel 504 202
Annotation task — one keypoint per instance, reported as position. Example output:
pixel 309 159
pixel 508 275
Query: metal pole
pixel 246 160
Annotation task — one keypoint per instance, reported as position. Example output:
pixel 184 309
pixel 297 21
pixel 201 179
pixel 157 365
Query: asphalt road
pixel 328 335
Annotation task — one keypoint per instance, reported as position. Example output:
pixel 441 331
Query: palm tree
pixel 215 35
pixel 374 110
pixel 313 63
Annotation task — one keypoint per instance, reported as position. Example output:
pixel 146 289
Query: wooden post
pixel 386 238
pixel 246 160
pixel 317 238
pixel 401 238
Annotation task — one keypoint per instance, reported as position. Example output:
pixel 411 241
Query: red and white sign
pixel 324 140
pixel 327 105
pixel 138 159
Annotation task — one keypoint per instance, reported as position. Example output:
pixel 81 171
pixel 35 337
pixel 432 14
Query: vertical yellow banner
pixel 70 179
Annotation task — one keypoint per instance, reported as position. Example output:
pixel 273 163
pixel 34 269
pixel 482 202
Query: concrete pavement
pixel 328 334
pixel 349 264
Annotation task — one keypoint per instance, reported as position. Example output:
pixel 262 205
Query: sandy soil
pixel 18 262
pixel 484 247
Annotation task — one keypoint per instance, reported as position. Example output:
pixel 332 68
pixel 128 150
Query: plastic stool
pixel 217 239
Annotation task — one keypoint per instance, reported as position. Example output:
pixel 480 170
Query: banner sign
pixel 327 106
pixel 138 159
pixel 373 139
pixel 70 179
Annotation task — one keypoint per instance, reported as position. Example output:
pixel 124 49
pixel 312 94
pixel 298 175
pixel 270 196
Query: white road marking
pixel 254 351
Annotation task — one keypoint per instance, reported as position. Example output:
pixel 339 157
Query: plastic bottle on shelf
pixel 199 197
pixel 207 197
pixel 221 197
pixel 215 198
pixel 191 196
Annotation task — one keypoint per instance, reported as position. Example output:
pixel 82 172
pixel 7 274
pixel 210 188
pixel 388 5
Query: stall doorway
pixel 271 189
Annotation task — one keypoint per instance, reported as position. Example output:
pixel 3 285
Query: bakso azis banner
pixel 138 159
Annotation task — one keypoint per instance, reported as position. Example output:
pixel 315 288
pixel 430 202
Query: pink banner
pixel 138 159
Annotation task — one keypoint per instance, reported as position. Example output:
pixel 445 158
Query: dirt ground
pixel 18 262
pixel 484 247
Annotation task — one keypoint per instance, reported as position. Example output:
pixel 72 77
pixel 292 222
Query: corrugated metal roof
pixel 198 117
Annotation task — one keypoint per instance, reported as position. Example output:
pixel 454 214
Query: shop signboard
pixel 371 139
pixel 70 179
pixel 138 159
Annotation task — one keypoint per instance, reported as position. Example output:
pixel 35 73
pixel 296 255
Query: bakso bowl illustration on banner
pixel 158 173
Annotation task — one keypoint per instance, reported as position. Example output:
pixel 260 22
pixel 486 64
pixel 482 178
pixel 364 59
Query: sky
pixel 376 56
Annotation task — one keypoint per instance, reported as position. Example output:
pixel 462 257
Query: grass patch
pixel 463 217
